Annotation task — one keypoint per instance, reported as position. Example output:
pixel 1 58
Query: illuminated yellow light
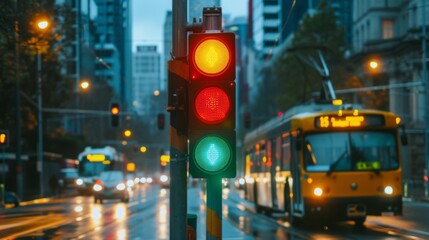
pixel 106 162
pixel 2 138
pixel 127 133
pixel 143 149
pixel 324 122
pixel 124 143
pixel 373 64
pixel 318 192
pixel 309 180
pixel 156 92
pixel 264 159
pixel 355 112
pixel 337 102
pixel 212 56
pixel 398 121
pixel 96 157
pixel 165 158
pixel 43 24
pixel 115 110
pixel 131 167
pixel 84 85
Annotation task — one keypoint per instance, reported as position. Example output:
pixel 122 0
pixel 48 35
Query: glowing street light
pixel 127 133
pixel 373 64
pixel 84 85
pixel 43 24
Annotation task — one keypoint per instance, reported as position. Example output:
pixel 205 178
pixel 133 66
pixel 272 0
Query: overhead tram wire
pixel 281 31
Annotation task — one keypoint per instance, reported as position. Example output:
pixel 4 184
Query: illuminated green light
pixel 212 153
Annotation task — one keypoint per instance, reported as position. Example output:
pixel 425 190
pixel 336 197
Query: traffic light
pixel 161 121
pixel 114 110
pixel 4 138
pixel 211 105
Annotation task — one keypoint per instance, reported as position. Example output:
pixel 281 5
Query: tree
pixel 294 81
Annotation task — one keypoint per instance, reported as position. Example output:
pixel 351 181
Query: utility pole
pixel 426 84
pixel 19 180
pixel 177 79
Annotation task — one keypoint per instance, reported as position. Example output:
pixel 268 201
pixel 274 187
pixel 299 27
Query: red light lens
pixel 212 105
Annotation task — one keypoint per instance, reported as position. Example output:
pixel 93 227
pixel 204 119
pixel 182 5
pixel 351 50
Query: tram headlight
pixel 388 190
pixel 97 187
pixel 318 192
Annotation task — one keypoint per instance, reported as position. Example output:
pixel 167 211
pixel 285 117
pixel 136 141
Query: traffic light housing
pixel 211 105
pixel 114 110
pixel 161 121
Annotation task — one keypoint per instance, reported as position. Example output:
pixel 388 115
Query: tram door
pixel 297 200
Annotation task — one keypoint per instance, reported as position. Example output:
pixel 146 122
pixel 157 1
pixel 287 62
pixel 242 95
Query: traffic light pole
pixel 214 208
pixel 178 137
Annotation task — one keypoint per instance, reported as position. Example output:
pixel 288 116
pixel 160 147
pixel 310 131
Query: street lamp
pixel 41 25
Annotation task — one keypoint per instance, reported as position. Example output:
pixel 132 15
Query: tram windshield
pixel 350 151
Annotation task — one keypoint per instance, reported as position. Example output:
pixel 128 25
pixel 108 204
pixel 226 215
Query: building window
pixel 271 2
pixel 271 16
pixel 271 30
pixel 387 26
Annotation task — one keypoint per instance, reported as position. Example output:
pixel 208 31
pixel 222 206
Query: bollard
pixel 191 229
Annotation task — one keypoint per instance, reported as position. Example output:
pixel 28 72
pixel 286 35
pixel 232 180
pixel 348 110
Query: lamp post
pixel 42 25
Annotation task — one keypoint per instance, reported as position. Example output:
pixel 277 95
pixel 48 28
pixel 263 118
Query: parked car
pixel 111 185
pixel 12 198
pixel 68 177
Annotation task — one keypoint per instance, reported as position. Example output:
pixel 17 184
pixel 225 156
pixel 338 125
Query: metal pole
pixel 425 80
pixel 40 120
pixel 19 179
pixel 178 150
pixel 214 208
pixel 78 38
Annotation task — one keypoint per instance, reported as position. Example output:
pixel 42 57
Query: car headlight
pixel 130 183
pixel 143 180
pixel 388 190
pixel 241 181
pixel 163 178
pixel 79 181
pixel 318 192
pixel 97 187
pixel 120 186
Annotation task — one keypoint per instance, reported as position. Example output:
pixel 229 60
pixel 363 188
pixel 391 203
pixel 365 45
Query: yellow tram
pixel 320 162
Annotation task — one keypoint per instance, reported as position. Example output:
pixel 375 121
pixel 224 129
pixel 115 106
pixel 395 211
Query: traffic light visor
pixel 212 57
pixel 212 105
pixel 212 153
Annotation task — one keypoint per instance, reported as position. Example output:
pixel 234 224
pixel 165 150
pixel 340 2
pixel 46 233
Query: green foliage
pixel 290 81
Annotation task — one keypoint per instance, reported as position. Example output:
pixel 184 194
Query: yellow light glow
pixel 337 102
pixel 96 157
pixel 131 167
pixel 212 56
pixel 127 133
pixel 143 149
pixel 43 24
pixel 2 138
pixel 165 158
pixel 309 180
pixel 84 85
pixel 398 121
pixel 373 64
pixel 156 92
pixel 106 162
pixel 115 110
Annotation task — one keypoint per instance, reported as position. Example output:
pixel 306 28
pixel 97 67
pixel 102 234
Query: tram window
pixel 350 151
pixel 286 154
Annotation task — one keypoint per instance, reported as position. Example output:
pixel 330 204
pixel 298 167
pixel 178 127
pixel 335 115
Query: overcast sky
pixel 149 16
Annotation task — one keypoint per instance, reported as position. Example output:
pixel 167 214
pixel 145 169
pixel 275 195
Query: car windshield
pixel 89 169
pixel 350 151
